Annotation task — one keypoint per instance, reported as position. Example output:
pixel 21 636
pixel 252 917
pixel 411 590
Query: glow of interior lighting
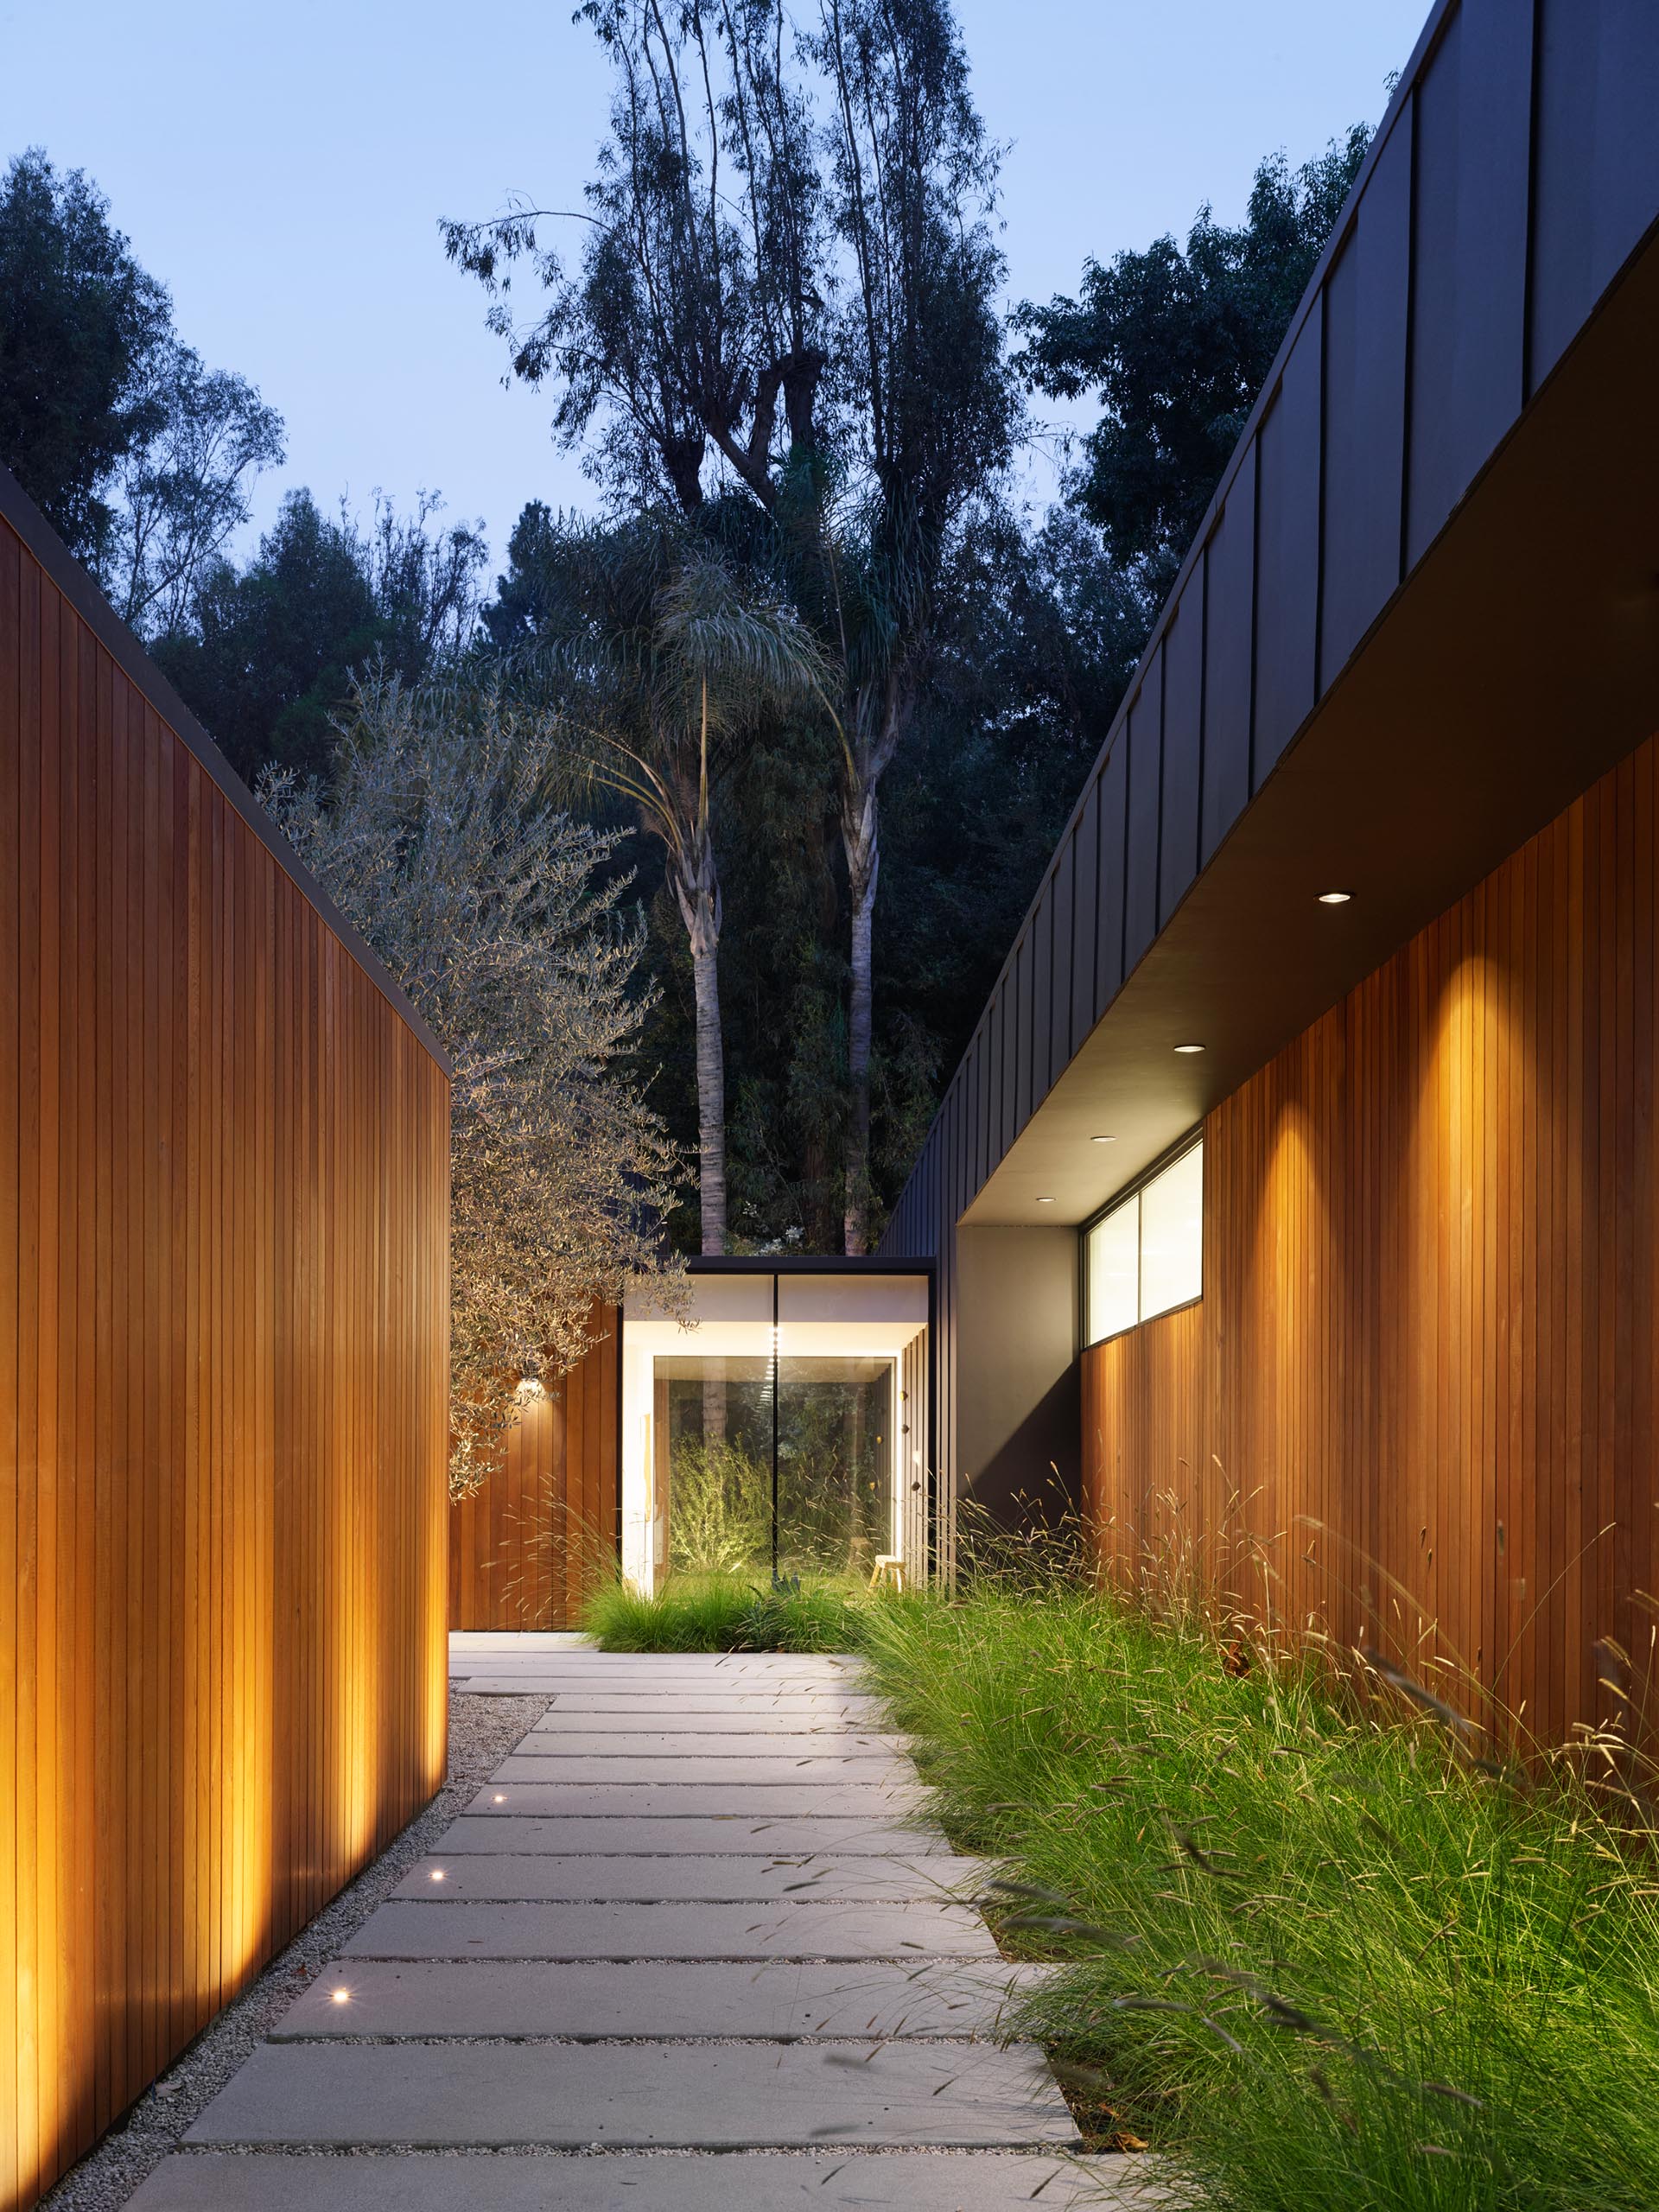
pixel 1335 898
pixel 1103 1139
pixel 1045 1202
pixel 1188 1048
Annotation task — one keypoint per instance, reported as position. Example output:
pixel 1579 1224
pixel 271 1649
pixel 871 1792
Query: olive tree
pixel 501 918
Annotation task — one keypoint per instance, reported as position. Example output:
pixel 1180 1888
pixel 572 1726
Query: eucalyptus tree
pixel 662 659
pixel 788 283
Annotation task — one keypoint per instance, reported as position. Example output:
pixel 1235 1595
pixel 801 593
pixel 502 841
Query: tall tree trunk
pixel 861 836
pixel 697 888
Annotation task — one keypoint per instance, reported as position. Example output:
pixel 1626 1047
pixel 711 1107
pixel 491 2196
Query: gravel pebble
pixel 482 1731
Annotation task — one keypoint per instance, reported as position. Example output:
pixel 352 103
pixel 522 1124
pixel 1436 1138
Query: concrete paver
pixel 668 1877
pixel 755 1742
pixel 681 1999
pixel 624 1729
pixel 690 2096
pixel 783 1708
pixel 503 1826
pixel 442 1928
pixel 821 2181
pixel 745 1768
pixel 714 1800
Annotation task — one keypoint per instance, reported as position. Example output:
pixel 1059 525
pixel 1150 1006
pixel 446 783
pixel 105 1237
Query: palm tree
pixel 667 660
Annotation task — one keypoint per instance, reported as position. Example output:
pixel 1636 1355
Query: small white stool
pixel 888 1573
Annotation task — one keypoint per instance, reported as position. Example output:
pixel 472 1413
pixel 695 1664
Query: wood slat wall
pixel 224 1179
pixel 1419 1389
pixel 525 1547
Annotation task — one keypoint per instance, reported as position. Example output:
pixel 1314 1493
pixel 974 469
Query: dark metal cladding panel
pixel 999 1075
pixel 1059 1018
pixel 955 1103
pixel 1178 859
pixel 1597 182
pixel 972 1096
pixel 1019 1043
pixel 990 1109
pixel 1042 989
pixel 983 1153
pixel 1229 562
pixel 1287 549
pixel 1366 318
pixel 1109 905
pixel 1086 845
pixel 1474 123
pixel 1145 738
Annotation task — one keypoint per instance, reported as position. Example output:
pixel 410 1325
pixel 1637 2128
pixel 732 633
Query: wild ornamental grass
pixel 1310 1951
pixel 723 1612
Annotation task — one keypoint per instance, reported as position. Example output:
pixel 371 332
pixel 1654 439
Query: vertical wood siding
pixel 1418 1393
pixel 224 1176
pixel 526 1547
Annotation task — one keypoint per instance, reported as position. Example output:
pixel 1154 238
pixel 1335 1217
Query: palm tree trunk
pixel 697 888
pixel 860 833
pixel 711 1097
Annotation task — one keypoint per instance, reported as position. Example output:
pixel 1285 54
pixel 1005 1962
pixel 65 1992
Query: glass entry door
pixel 774 1465
pixel 835 1465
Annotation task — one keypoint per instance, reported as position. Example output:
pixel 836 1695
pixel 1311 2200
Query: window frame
pixel 1191 1141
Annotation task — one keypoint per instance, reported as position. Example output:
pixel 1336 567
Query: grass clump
pixel 1308 1948
pixel 717 1612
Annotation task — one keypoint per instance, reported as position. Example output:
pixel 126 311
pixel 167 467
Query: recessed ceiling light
pixel 1045 1202
pixel 1103 1139
pixel 340 1996
pixel 1335 898
pixel 1188 1048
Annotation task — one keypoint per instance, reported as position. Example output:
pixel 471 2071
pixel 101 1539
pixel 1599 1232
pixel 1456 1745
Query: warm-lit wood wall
pixel 525 1546
pixel 223 1378
pixel 1423 1371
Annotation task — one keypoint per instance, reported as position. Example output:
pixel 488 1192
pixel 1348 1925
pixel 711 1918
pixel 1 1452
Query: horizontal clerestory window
pixel 1145 1253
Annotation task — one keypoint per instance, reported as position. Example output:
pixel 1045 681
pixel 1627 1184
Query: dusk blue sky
pixel 282 170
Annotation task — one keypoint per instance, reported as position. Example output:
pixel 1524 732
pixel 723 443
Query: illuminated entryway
pixel 782 1428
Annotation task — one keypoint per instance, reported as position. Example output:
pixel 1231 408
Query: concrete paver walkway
pixel 693 1949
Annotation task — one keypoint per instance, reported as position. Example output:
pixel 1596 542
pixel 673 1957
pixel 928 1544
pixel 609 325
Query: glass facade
pixel 780 1426
pixel 829 1508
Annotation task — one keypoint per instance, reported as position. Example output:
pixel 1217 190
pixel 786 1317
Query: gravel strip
pixel 482 1731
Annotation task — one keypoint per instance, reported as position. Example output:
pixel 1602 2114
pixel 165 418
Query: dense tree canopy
pixel 1177 343
pixel 82 321
pixel 138 455
pixel 264 654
